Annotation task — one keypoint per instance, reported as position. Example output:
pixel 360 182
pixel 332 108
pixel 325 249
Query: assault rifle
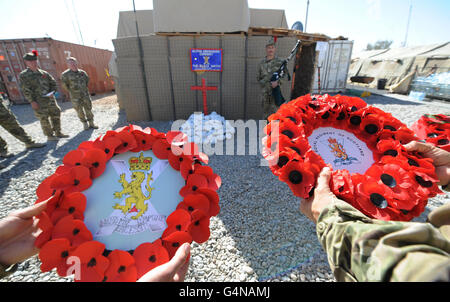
pixel 276 92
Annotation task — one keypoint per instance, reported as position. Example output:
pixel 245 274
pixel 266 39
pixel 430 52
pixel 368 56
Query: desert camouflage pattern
pixel 364 249
pixel 265 70
pixel 9 122
pixel 76 83
pixel 35 85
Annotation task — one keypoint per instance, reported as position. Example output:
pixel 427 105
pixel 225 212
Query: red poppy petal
pixel 73 158
pixel 150 255
pixel 121 267
pixel 175 240
pixel 199 227
pixel 161 148
pixel 53 253
pixel 87 250
pixel 95 160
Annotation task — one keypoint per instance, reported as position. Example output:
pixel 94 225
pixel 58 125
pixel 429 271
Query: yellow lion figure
pixel 134 189
pixel 337 149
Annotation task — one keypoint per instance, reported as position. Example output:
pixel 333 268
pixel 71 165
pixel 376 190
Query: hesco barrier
pixel 52 58
pixel 169 76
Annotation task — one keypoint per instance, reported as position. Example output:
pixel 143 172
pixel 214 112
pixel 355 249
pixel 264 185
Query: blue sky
pixel 363 21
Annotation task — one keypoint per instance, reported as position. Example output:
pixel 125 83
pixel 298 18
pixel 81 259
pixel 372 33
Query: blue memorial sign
pixel 206 59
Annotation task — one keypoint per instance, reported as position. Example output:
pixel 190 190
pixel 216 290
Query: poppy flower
pixel 280 159
pixel 173 241
pixel 121 267
pixel 44 191
pixel 54 254
pixel 144 139
pixel 187 167
pixel 404 135
pixel 108 145
pixel 194 202
pixel 76 180
pixel 441 141
pixel 149 255
pixel 289 129
pixel 214 180
pixel 373 199
pixel 397 181
pixel 53 202
pixel 161 148
pixel 177 138
pixel 193 182
pixel 178 220
pixel 86 145
pixel 298 177
pixel 73 158
pixel 73 204
pixel 426 184
pixel 371 125
pixel 176 157
pixel 389 147
pixel 46 227
pixel 93 263
pixel 354 121
pixel 341 185
pixel 213 197
pixel 199 227
pixel 128 141
pixel 73 229
pixel 95 160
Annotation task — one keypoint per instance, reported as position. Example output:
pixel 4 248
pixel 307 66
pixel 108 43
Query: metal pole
pixel 307 9
pixel 407 25
pixel 141 54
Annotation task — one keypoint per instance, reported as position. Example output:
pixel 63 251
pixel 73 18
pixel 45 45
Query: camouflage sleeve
pixel 262 77
pixel 27 90
pixel 87 78
pixel 64 82
pixel 364 249
pixel 52 83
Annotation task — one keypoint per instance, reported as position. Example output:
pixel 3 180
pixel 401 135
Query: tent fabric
pixel 127 23
pixel 201 15
pixel 268 18
pixel 163 18
pixel 396 65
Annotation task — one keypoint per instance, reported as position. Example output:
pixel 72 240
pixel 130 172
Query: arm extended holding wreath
pixel 363 249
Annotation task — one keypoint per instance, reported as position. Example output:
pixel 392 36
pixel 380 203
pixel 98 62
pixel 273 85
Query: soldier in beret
pixel 270 64
pixel 39 87
pixel 75 81
pixel 9 122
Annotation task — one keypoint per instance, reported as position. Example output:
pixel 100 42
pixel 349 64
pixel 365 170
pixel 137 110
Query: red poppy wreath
pixel 123 204
pixel 362 144
pixel 434 129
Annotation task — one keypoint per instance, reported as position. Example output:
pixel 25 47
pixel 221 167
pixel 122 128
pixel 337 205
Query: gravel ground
pixel 259 235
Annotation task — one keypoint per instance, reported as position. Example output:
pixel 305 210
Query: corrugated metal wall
pixel 169 75
pixel 52 58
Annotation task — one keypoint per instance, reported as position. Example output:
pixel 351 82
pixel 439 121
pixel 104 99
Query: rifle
pixel 276 92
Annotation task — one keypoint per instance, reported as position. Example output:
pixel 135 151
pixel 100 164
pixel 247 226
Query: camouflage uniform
pixel 364 249
pixel 265 70
pixel 76 83
pixel 9 122
pixel 35 85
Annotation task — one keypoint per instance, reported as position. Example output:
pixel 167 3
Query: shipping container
pixel 52 58
pixel 332 64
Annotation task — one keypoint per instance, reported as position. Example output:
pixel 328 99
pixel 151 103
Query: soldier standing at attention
pixel 9 122
pixel 270 64
pixel 39 87
pixel 75 81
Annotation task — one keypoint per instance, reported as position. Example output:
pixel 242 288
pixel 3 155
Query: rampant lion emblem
pixel 134 190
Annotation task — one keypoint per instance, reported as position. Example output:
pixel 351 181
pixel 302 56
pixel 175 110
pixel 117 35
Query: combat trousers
pixel 9 122
pixel 268 104
pixel 49 114
pixel 83 107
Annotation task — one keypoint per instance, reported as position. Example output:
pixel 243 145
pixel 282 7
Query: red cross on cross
pixel 204 88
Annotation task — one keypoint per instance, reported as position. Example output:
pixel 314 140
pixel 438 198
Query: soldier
pixel 270 64
pixel 39 87
pixel 9 122
pixel 75 81
pixel 363 249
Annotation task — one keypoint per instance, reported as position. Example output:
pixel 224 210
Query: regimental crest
pixel 135 201
pixel 339 153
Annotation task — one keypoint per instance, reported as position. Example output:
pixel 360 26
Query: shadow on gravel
pixel 16 166
pixel 70 144
pixel 385 100
pixel 25 115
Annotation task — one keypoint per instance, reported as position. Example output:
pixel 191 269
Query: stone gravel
pixel 259 234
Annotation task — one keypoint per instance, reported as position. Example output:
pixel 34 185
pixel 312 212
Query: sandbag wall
pixel 169 76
